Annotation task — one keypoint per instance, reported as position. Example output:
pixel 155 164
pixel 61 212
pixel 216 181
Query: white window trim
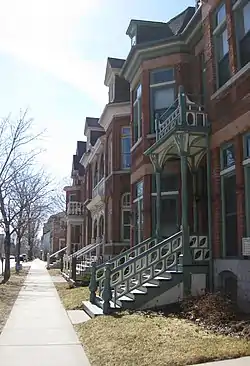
pixel 136 102
pixel 168 193
pixel 227 170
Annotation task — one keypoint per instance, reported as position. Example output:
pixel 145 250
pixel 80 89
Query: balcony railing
pixel 98 190
pixel 183 114
pixel 75 208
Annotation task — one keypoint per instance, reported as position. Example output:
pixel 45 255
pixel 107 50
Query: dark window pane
pixel 228 157
pixel 247 146
pixel 161 76
pixel 126 217
pixel 170 183
pixel 223 70
pixel 245 49
pixel 126 232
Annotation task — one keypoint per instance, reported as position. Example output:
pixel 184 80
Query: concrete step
pixel 91 309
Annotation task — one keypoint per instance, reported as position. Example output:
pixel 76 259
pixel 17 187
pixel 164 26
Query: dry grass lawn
pixel 72 297
pixel 55 272
pixel 9 292
pixel 143 340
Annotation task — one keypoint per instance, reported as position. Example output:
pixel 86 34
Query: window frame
pixel 170 84
pixel 125 207
pixel 137 102
pixel 138 202
pixel 218 30
pixel 124 136
pixel 237 8
pixel 225 173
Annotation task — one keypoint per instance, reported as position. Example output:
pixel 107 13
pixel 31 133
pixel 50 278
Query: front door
pixel 169 216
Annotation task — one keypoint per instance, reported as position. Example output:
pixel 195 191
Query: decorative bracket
pixel 155 161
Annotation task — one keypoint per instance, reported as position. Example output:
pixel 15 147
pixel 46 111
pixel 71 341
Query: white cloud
pixel 41 33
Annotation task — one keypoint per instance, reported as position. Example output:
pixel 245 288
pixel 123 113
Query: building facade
pixel 188 164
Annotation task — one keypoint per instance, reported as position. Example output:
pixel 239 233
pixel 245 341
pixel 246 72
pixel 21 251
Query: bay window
pixel 162 93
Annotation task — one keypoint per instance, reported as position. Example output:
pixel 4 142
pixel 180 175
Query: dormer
pixel 118 86
pixel 92 131
pixel 144 31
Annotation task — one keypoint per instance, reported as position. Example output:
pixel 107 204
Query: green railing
pixel 145 265
pixel 122 258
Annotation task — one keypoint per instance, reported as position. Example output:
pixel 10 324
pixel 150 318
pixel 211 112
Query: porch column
pixel 182 141
pixel 194 193
pixel 157 169
pixel 158 203
pixel 68 238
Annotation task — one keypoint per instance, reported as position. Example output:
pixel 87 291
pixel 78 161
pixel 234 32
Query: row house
pixel 189 115
pixel 98 201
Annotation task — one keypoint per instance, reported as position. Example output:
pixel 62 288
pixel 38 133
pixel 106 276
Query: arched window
pixel 125 216
pixel 101 167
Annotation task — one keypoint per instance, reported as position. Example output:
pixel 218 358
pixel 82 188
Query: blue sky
pixel 52 60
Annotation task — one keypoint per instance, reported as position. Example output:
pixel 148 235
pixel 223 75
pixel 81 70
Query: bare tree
pixel 29 203
pixel 16 155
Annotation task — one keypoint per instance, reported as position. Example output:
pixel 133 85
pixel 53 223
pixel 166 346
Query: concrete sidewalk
pixel 38 331
pixel 243 361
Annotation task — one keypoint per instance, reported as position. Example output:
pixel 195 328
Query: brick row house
pixel 184 99
pixel 101 174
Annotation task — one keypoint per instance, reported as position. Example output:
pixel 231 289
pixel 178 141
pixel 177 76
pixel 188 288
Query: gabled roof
pixel 187 19
pixel 116 63
pixel 179 22
pixel 91 122
pixel 80 148
pixel 175 25
pixel 112 63
pixel 135 22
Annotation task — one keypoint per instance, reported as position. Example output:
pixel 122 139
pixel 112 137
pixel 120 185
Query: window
pixel 72 197
pixel 246 144
pixel 220 35
pixel 227 157
pixel 137 113
pixel 229 201
pixel 109 154
pixel 125 147
pixel 162 90
pixel 126 208
pixel 246 164
pixel 95 174
pixel 101 168
pixel 138 221
pixel 242 25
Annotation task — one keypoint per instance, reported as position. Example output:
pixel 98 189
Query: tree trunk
pixel 18 252
pixel 7 257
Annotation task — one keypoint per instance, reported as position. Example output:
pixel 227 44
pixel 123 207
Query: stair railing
pixel 144 267
pixel 123 258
